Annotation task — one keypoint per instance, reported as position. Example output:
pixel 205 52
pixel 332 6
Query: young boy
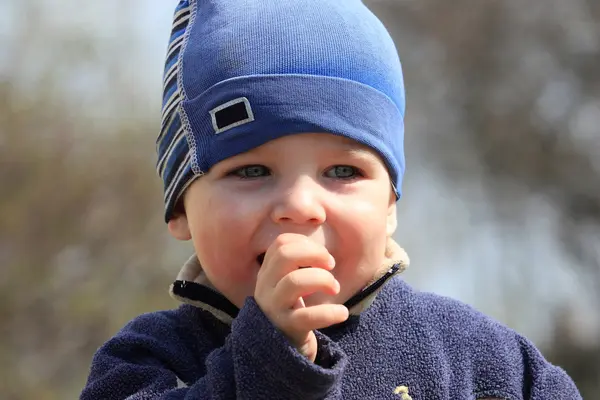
pixel 282 156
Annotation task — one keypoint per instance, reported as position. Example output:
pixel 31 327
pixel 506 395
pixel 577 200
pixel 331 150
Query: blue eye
pixel 250 171
pixel 343 172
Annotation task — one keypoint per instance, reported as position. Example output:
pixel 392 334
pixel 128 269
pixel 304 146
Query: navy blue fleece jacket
pixel 405 345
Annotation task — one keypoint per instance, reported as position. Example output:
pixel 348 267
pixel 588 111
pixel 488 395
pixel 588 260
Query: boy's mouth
pixel 261 258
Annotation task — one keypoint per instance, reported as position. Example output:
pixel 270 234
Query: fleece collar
pixel 193 287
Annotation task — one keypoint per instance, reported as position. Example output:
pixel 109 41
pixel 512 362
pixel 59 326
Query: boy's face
pixel 328 188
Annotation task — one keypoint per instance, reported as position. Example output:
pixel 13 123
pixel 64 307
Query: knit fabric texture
pixel 406 345
pixel 241 73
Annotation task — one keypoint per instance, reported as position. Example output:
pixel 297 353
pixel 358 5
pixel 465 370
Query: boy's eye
pixel 250 171
pixel 342 172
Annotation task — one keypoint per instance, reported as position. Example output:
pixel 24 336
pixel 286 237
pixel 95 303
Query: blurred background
pixel 501 205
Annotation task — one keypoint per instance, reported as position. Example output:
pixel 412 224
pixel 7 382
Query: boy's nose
pixel 300 204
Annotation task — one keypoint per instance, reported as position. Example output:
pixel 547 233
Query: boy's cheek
pixel 391 220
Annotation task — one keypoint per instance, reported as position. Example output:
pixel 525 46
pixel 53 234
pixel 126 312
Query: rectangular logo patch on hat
pixel 231 114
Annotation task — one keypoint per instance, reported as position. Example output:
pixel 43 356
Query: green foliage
pixel 82 242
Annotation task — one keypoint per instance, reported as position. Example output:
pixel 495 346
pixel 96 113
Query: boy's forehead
pixel 318 141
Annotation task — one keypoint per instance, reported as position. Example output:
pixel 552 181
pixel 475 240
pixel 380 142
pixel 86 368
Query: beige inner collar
pixel 192 271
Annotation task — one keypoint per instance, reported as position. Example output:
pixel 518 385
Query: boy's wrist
pixel 325 354
pixel 270 351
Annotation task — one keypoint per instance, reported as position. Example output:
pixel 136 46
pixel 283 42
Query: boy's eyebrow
pixel 358 151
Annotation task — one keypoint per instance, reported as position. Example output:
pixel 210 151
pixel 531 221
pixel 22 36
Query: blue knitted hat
pixel 240 73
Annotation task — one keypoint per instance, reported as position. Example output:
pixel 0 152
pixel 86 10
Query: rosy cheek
pixel 231 205
pixel 366 228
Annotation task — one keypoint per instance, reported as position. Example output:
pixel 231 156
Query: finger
pixel 280 261
pixel 316 317
pixel 303 282
pixel 299 303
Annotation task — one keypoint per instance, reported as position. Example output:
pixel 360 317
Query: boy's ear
pixel 179 227
pixel 392 221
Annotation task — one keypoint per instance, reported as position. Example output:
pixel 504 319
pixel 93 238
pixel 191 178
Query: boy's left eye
pixel 342 172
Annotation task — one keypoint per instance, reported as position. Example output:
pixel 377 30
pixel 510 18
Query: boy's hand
pixel 282 282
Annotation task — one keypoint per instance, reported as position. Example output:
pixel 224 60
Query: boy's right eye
pixel 250 171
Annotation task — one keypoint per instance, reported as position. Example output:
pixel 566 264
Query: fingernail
pixel 331 261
